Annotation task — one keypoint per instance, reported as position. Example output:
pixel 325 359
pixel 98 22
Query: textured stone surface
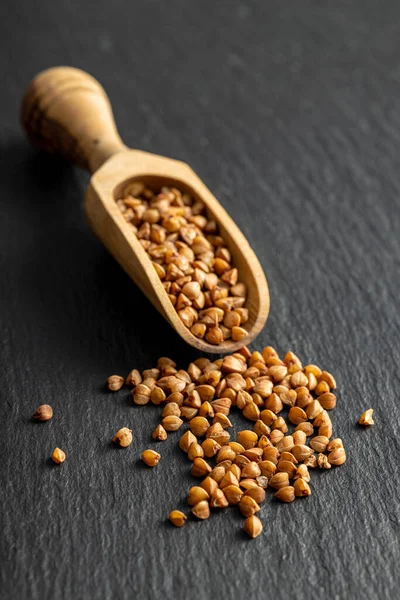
pixel 289 111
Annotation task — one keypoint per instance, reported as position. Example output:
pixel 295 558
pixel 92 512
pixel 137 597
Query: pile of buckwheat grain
pixel 191 259
pixel 276 452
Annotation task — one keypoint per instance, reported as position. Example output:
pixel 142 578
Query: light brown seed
pixel 247 438
pixel 285 444
pixel 58 456
pixel 248 506
pixel 322 418
pixel 206 392
pixel 228 479
pixel 335 444
pixel 251 411
pixel 271 453
pixel 253 526
pixel 232 364
pixel 288 456
pixel 218 473
pixel 176 397
pixel 286 494
pixel 312 381
pixel 263 386
pixel 215 335
pixel 233 494
pixel 299 437
pixel 288 397
pixel 222 405
pixel 186 440
pixel 337 457
pixel 235 469
pixel 43 413
pixel 206 410
pixel 322 388
pixel 257 493
pixel 280 424
pixel 241 461
pixel 311 462
pixel 201 510
pixel 323 462
pixel 159 433
pixel 301 488
pixel 209 484
pixel 328 378
pixel 171 409
pixel 301 452
pixel 150 458
pixel 199 426
pixel 157 395
pixel 276 437
pixel 225 453
pixel 306 427
pixel 267 468
pixel 254 454
pixel 279 480
pixel 123 437
pixel 210 447
pixel 177 518
pixel 172 423
pixel 274 403
pixel 191 290
pixel 263 442
pixel 195 451
pixel 302 472
pixel 223 420
pixel 277 372
pixel 262 481
pixel 236 447
pixel 218 499
pixel 319 443
pixel 149 382
pixel 198 330
pixel 222 437
pixel 312 369
pixel 251 470
pixel 133 378
pixel 297 415
pixel 238 333
pixel 115 383
pixel 141 394
pixel 291 359
pixel 200 467
pixel 327 400
pixel 248 484
pixel 260 428
pixel 268 417
pixel 267 352
pixel 286 466
pixel 188 413
pixel 298 379
pixel 366 418
pixel 313 409
pixel 197 494
pixel 326 430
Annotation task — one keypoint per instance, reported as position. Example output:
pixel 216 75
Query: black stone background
pixel 289 111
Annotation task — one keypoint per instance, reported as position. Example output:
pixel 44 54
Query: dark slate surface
pixel 289 111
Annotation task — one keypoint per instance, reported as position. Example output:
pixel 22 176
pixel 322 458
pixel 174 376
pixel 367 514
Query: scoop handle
pixel 67 111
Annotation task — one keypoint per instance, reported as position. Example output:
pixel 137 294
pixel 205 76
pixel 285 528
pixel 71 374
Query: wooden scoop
pixel 67 111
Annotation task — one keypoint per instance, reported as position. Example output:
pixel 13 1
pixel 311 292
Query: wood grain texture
pixel 66 111
pixel 286 110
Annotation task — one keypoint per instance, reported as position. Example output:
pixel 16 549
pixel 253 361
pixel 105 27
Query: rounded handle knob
pixel 67 111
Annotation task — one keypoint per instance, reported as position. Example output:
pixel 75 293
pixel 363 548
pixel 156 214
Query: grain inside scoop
pixel 67 111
